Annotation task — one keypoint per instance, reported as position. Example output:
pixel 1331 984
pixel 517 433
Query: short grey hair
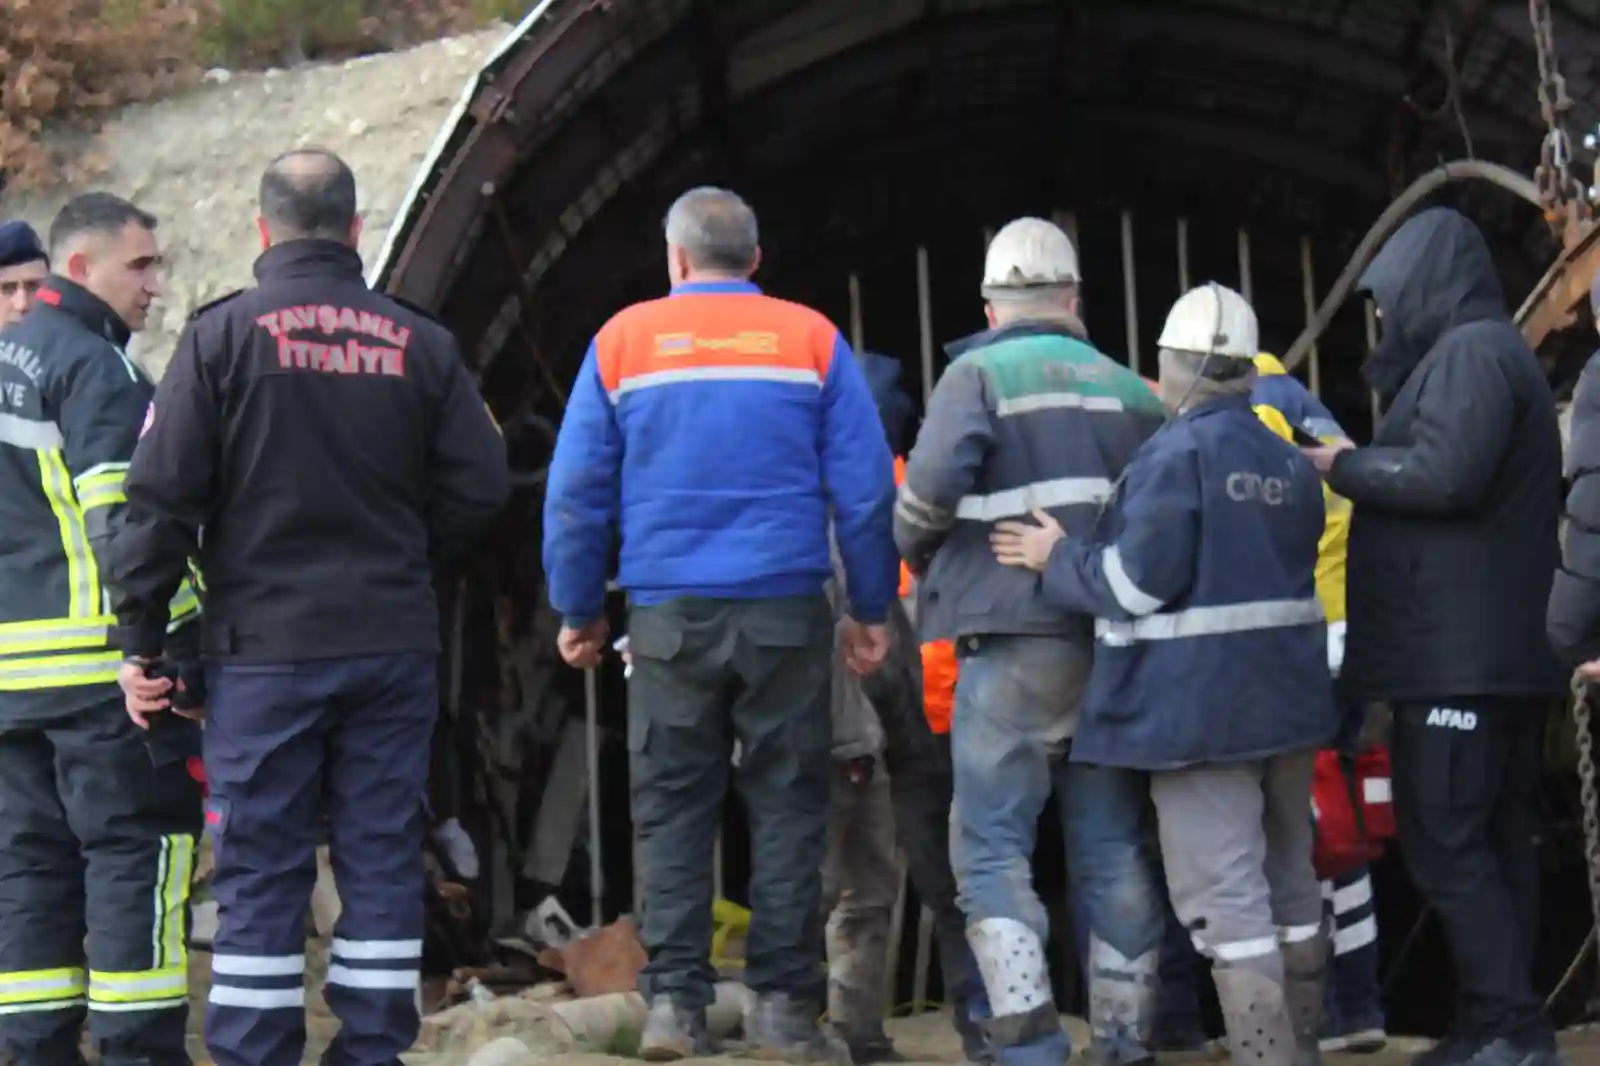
pixel 716 228
pixel 1182 384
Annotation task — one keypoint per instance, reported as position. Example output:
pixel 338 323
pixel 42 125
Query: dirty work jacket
pixel 1574 618
pixel 718 428
pixel 1026 416
pixel 1210 643
pixel 71 407
pixel 1453 544
pixel 1281 402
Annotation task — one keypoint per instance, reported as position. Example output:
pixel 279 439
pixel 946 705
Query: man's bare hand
pixel 1590 671
pixel 581 647
pixel 1322 458
pixel 1019 544
pixel 865 647
pixel 143 695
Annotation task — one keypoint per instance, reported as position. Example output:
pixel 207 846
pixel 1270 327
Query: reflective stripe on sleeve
pixel 100 486
pixel 1210 621
pixel 1130 597
pixel 185 605
pixel 83 577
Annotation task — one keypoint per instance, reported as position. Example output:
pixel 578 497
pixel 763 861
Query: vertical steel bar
pixel 591 710
pixel 1246 282
pixel 1372 342
pixel 1183 256
pixel 925 321
pixel 857 338
pixel 1308 284
pixel 1130 291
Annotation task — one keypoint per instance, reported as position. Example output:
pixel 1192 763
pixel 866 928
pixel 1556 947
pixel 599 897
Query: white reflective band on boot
pixel 1210 621
pixel 1012 962
pixel 1238 950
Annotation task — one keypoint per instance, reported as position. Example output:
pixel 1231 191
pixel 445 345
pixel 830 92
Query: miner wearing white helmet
pixel 1210 669
pixel 1029 417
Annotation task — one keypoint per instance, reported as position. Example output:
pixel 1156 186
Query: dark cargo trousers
pixel 285 747
pixel 96 841
pixel 1466 795
pixel 707 672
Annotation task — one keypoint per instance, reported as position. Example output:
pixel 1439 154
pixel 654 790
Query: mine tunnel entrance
pixel 1247 141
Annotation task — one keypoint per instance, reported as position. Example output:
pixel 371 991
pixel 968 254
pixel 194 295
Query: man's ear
pixel 356 225
pixel 76 267
pixel 755 264
pixel 266 236
pixel 988 314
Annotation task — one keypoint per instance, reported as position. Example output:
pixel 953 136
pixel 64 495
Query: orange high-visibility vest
pixel 939 667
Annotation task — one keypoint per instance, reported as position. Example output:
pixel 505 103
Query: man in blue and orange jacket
pixel 722 430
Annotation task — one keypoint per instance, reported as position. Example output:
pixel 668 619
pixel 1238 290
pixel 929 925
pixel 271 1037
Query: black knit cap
pixel 20 244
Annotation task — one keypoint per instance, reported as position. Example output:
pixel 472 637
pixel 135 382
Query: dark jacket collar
pixel 1041 328
pixel 312 257
pixel 78 302
pixel 1210 405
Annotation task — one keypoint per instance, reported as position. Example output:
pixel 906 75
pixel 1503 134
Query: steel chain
pixel 1586 793
pixel 1560 191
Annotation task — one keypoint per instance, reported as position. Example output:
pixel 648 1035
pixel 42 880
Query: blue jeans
pixel 1350 1003
pixel 1016 706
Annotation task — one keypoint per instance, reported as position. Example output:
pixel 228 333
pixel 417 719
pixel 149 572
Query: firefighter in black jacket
pixel 316 446
pixel 97 827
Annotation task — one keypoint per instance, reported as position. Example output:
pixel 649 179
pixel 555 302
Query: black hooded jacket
pixel 1453 540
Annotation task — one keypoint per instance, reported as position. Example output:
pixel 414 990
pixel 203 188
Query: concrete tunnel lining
pixel 862 131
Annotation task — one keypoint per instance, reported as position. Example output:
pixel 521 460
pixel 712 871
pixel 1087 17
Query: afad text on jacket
pixel 331 446
pixel 717 427
pixel 1453 542
pixel 1210 641
pixel 71 407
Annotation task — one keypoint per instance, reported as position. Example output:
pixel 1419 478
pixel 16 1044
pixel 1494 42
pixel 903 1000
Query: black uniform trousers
pixel 707 672
pixel 1466 778
pixel 97 849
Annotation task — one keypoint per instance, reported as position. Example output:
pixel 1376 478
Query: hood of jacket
pixel 895 405
pixel 1434 274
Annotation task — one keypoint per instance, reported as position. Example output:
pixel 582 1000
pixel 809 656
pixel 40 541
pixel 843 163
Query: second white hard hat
pixel 1029 253
pixel 1211 319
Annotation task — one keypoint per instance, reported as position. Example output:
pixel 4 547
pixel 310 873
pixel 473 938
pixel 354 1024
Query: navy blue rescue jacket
pixel 1210 641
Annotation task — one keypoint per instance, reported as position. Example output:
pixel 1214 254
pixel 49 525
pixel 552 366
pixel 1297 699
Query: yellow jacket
pixel 1279 399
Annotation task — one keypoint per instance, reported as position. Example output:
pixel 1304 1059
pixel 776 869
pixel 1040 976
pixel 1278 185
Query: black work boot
pixel 867 1043
pixel 780 1027
pixel 672 1033
pixel 1453 1049
pixel 1506 1051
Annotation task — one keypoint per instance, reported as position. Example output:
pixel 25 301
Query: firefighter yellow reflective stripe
pixel 59 671
pixel 83 578
pixel 155 989
pixel 38 990
pixel 185 605
pixel 100 486
pixel 55 634
pixel 174 871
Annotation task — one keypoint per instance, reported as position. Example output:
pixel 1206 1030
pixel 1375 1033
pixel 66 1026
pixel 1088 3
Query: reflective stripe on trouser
pixel 95 838
pixel 279 740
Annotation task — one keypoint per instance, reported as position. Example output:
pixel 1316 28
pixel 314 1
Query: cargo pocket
pixel 653 634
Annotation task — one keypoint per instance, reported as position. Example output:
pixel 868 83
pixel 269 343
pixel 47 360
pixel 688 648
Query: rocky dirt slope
pixel 194 161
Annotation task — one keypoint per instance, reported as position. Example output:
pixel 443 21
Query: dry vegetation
pixel 68 63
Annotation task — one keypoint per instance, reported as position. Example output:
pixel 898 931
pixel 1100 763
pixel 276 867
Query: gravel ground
pixel 194 160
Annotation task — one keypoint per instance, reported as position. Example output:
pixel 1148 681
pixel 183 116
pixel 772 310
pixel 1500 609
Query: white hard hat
pixel 1211 319
pixel 1030 253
